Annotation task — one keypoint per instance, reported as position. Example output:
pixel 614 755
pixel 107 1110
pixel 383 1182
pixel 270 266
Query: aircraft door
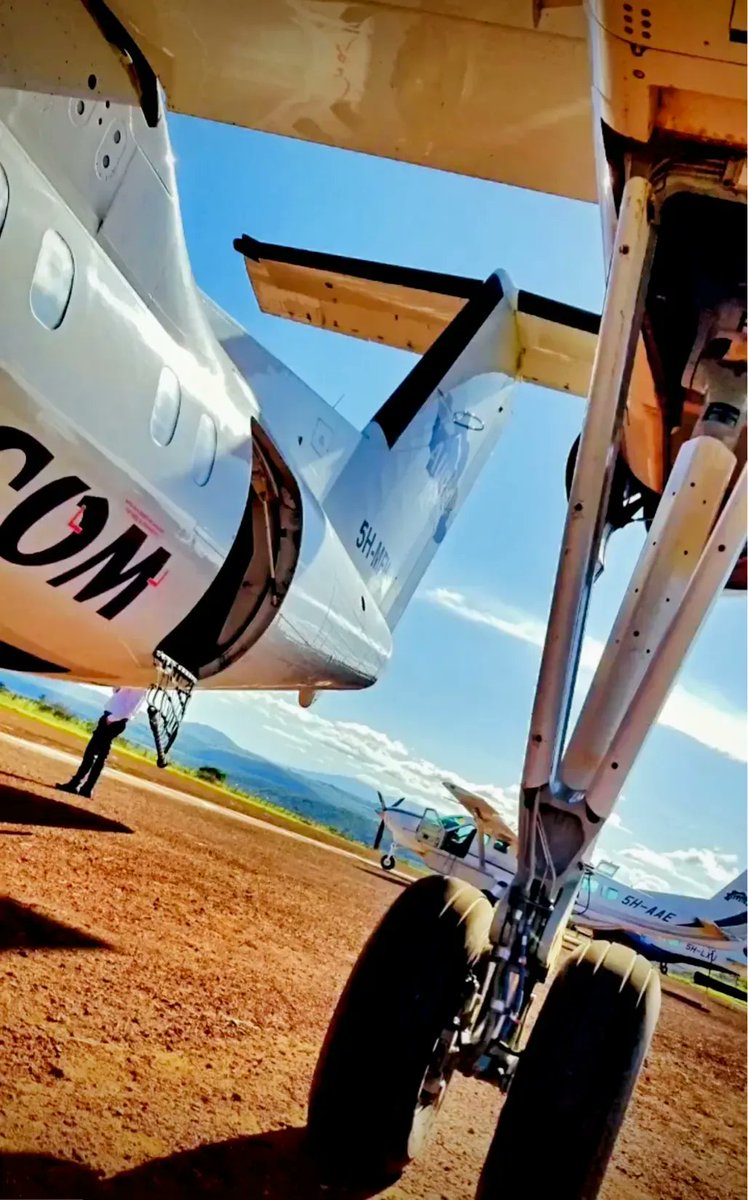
pixel 430 830
pixel 248 589
pixel 582 902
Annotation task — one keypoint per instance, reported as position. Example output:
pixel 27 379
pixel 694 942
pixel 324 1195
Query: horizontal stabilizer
pixel 396 306
pixel 710 930
pixel 408 308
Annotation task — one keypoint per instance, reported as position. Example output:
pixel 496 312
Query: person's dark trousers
pixel 94 756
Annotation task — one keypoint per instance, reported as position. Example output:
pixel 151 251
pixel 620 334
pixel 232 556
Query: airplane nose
pixel 383 808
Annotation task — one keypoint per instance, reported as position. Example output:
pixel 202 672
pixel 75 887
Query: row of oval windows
pixel 51 289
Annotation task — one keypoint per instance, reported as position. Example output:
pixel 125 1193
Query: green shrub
pixel 211 774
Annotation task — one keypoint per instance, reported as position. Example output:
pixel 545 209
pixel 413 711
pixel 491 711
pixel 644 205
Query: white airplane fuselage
pixel 164 481
pixel 108 538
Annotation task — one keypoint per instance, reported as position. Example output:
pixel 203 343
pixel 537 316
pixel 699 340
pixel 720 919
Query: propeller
pixel 383 808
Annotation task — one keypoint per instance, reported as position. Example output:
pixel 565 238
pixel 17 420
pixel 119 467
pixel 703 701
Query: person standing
pixel 123 704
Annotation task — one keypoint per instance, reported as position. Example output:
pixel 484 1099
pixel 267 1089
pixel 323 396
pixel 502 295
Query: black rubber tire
pixel 365 1119
pixel 569 1095
pixel 387 862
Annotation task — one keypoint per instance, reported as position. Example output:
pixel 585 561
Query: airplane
pixel 726 910
pixel 178 510
pixel 479 847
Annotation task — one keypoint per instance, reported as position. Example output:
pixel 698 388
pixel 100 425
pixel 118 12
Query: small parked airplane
pixel 478 846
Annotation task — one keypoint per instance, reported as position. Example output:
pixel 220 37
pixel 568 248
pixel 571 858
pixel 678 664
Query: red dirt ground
pixel 166 976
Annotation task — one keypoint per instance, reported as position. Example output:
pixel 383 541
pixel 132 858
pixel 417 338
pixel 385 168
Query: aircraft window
pixel 457 838
pixel 4 197
pixel 594 885
pixel 610 893
pixel 204 454
pixel 166 408
pixel 52 283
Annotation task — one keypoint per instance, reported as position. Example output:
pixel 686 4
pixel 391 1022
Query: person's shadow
pixel 23 927
pixel 266 1166
pixel 21 807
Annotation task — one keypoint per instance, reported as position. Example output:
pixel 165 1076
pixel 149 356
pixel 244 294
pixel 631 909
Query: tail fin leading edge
pixel 417 459
pixel 420 455
pixel 732 899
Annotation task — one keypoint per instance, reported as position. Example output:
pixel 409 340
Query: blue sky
pixel 456 698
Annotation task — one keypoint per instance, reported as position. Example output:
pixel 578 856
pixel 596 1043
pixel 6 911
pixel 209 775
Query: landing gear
pixel 570 1084
pixel 576 1076
pixel 578 1070
pixel 392 1043
pixel 387 862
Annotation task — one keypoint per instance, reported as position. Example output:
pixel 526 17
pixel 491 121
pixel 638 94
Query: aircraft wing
pixel 497 89
pixel 485 813
pixel 408 308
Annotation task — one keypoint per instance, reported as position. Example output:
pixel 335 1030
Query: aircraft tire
pixel 367 1114
pixel 387 862
pixel 575 1078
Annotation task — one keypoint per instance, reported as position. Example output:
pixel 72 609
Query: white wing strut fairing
pixel 408 308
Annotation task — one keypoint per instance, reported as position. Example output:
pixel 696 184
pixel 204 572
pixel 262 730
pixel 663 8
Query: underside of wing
pixel 497 89
pixel 395 306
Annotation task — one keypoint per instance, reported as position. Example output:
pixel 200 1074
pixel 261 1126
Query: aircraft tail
pixel 417 459
pixel 732 899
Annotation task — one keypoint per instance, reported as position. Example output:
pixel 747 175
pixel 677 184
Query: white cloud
pixel 382 762
pixel 706 721
pixel 680 868
pixel 614 822
pixel 293 738
pixel 719 868
pixel 643 881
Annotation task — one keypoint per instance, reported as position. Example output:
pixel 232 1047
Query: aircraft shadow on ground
pixel 267 1166
pixel 378 873
pixel 23 928
pixel 19 807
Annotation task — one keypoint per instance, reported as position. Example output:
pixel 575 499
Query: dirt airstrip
pixel 166 975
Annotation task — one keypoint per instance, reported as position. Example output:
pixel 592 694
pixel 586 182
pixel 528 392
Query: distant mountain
pixel 354 787
pixel 80 700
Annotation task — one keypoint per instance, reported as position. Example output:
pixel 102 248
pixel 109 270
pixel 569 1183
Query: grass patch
pixel 711 994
